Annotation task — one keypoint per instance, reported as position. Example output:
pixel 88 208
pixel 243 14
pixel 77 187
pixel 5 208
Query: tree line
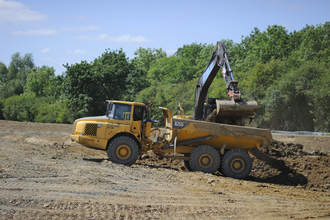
pixel 287 73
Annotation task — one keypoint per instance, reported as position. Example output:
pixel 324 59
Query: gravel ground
pixel 43 175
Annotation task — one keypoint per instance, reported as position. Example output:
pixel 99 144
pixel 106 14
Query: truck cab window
pixel 138 113
pixel 118 112
pixel 111 110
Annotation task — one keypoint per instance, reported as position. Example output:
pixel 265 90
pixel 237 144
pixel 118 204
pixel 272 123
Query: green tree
pixel 168 70
pixel 260 47
pixel 312 42
pixel 88 85
pixel 54 88
pixel 19 64
pixel 20 108
pixel 56 112
pixel 137 77
pixel 168 95
pixel 262 76
pixel 145 58
pixel 321 100
pixel 3 72
pixel 293 102
pixel 18 70
pixel 37 80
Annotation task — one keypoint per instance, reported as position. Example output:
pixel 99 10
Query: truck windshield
pixel 117 111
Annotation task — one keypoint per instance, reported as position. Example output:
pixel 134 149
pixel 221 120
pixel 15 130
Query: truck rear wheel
pixel 123 150
pixel 236 164
pixel 204 158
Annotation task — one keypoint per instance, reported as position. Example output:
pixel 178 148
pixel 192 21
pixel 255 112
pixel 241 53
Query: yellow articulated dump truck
pixel 210 140
pixel 125 131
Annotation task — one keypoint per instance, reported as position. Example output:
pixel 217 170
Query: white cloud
pixel 40 32
pixel 16 12
pixel 296 7
pixel 77 51
pixel 121 39
pixel 46 50
pixel 45 32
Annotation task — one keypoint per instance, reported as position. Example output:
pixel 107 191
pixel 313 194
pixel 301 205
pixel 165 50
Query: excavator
pixel 224 111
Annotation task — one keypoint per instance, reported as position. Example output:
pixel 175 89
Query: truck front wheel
pixel 204 158
pixel 236 164
pixel 123 150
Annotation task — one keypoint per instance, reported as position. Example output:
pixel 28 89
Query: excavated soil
pixel 44 175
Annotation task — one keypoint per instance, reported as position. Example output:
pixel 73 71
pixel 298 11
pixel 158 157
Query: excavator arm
pixel 219 60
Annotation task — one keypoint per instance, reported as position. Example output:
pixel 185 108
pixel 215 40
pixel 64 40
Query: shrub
pixel 19 108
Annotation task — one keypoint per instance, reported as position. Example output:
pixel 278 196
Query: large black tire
pixel 204 158
pixel 123 150
pixel 236 164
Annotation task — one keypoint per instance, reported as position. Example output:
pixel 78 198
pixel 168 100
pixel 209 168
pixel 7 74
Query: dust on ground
pixel 44 175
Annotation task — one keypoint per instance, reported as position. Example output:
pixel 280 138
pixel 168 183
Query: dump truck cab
pixel 121 119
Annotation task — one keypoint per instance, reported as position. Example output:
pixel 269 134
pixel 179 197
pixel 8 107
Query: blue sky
pixel 60 32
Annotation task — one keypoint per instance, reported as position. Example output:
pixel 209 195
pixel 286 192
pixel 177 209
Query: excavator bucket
pixel 232 112
pixel 244 109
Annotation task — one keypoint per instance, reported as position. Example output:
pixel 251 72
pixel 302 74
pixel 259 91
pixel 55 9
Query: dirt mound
pixel 156 161
pixel 295 166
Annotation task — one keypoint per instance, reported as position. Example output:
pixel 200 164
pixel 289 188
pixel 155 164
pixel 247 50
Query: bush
pixel 19 108
pixel 57 112
pixel 36 109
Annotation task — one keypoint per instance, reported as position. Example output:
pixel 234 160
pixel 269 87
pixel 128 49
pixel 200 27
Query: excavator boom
pixel 235 107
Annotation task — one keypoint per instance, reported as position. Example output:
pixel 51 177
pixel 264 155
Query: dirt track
pixel 44 175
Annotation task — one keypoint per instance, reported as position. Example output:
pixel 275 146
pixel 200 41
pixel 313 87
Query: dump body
pixel 188 134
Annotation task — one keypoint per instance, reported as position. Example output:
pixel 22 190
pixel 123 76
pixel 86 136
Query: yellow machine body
pixel 96 132
pixel 183 132
pixel 189 134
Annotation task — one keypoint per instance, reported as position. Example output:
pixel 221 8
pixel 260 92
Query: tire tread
pixel 134 149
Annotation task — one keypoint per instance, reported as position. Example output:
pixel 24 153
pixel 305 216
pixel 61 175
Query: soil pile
pixel 156 161
pixel 295 166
